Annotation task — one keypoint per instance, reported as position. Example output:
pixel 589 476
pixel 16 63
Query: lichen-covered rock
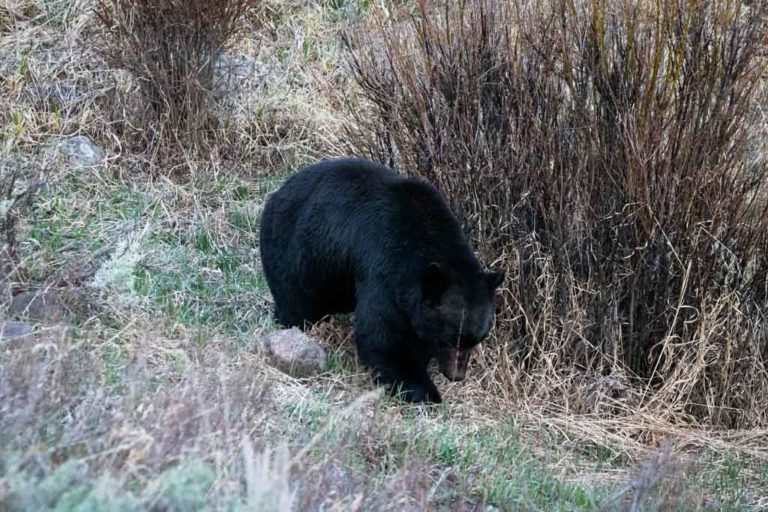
pixel 230 70
pixel 80 151
pixel 293 352
pixel 37 305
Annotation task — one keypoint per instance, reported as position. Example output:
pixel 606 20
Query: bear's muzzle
pixel 454 362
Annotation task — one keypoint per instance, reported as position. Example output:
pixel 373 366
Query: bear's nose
pixel 453 364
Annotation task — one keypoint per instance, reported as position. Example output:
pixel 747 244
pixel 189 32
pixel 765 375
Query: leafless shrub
pixel 172 48
pixel 600 152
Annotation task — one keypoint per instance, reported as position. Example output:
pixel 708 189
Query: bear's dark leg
pixel 388 351
pixel 414 387
pixel 293 308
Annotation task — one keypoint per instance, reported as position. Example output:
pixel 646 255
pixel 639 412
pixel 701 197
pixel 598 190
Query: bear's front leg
pixel 407 382
pixel 421 390
pixel 396 360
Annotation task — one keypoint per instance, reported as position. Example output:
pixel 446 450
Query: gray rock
pixel 235 66
pixel 80 151
pixel 293 352
pixel 37 305
pixel 236 74
pixel 13 330
pixel 230 71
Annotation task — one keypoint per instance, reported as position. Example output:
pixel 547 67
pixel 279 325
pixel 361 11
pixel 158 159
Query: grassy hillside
pixel 145 391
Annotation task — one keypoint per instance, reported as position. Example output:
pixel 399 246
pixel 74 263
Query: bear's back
pixel 385 208
pixel 345 209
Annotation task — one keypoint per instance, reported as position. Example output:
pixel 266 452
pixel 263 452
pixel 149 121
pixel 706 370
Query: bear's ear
pixel 434 283
pixel 494 279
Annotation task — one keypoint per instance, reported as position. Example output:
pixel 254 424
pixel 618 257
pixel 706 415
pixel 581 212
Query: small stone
pixel 235 65
pixel 37 305
pixel 12 330
pixel 293 352
pixel 231 70
pixel 80 151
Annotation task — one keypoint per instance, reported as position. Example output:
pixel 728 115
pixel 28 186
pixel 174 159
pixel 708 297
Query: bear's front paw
pixel 416 392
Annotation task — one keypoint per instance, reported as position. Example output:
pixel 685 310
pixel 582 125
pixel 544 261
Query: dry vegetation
pixel 607 154
pixel 604 153
pixel 172 50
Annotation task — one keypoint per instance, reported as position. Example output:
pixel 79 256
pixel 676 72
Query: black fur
pixel 351 235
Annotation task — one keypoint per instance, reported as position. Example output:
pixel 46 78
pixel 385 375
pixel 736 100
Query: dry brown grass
pixel 273 100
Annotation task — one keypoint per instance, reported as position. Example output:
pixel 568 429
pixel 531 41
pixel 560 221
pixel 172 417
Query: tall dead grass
pixel 603 153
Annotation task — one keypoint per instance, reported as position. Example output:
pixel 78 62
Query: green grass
pixel 199 285
pixel 74 219
pixel 200 270
pixel 208 275
pixel 727 477
pixel 342 360
pixel 503 471
pixel 68 488
pixel 113 362
pixel 509 476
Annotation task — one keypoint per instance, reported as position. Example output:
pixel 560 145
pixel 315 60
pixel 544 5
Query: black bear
pixel 347 235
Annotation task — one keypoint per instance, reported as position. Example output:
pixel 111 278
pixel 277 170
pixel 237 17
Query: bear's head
pixel 453 313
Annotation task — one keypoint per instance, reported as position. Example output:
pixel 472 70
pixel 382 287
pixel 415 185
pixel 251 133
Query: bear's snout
pixel 454 362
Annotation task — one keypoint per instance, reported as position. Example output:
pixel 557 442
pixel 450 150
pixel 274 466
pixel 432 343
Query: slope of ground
pixel 149 394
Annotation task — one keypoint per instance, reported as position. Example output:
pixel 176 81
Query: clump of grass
pixel 601 152
pixel 658 484
pixel 172 48
pixel 19 188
